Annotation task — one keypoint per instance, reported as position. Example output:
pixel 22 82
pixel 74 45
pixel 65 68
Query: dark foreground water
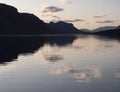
pixel 59 64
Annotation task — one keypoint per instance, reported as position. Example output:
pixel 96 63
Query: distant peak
pixel 104 28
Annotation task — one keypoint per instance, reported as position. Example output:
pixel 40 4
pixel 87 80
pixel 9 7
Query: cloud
pixel 66 1
pixel 75 20
pixel 106 21
pixel 102 16
pixel 53 16
pixel 52 9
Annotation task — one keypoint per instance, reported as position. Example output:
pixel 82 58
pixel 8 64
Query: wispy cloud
pixel 66 1
pixel 100 16
pixel 75 20
pixel 106 21
pixel 52 9
pixel 52 16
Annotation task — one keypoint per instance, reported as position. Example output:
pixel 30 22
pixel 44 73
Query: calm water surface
pixel 59 64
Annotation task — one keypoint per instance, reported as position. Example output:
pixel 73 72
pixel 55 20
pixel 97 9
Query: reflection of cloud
pixel 63 70
pixel 7 68
pixel 106 21
pixel 118 74
pixel 52 9
pixel 77 44
pixel 86 74
pixel 50 54
pixel 83 75
pixel 53 58
pixel 96 44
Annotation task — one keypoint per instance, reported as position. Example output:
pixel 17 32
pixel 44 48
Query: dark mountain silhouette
pixel 14 23
pixel 112 33
pixel 63 28
pixel 105 28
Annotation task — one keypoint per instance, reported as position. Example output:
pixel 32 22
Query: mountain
pixel 111 32
pixel 86 31
pixel 14 23
pixel 105 28
pixel 62 27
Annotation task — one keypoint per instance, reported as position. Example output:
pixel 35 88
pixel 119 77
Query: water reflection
pixel 81 75
pixel 4 68
pixel 95 43
pixel 118 74
pixel 50 53
pixel 48 49
pixel 12 47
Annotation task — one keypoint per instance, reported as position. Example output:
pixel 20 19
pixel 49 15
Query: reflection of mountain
pixel 12 47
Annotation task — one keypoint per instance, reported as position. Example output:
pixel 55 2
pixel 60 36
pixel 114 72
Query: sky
pixel 84 14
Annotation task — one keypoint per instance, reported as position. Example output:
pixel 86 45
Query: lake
pixel 83 63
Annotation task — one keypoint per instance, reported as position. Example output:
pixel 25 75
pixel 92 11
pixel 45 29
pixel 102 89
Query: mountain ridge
pixel 13 22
